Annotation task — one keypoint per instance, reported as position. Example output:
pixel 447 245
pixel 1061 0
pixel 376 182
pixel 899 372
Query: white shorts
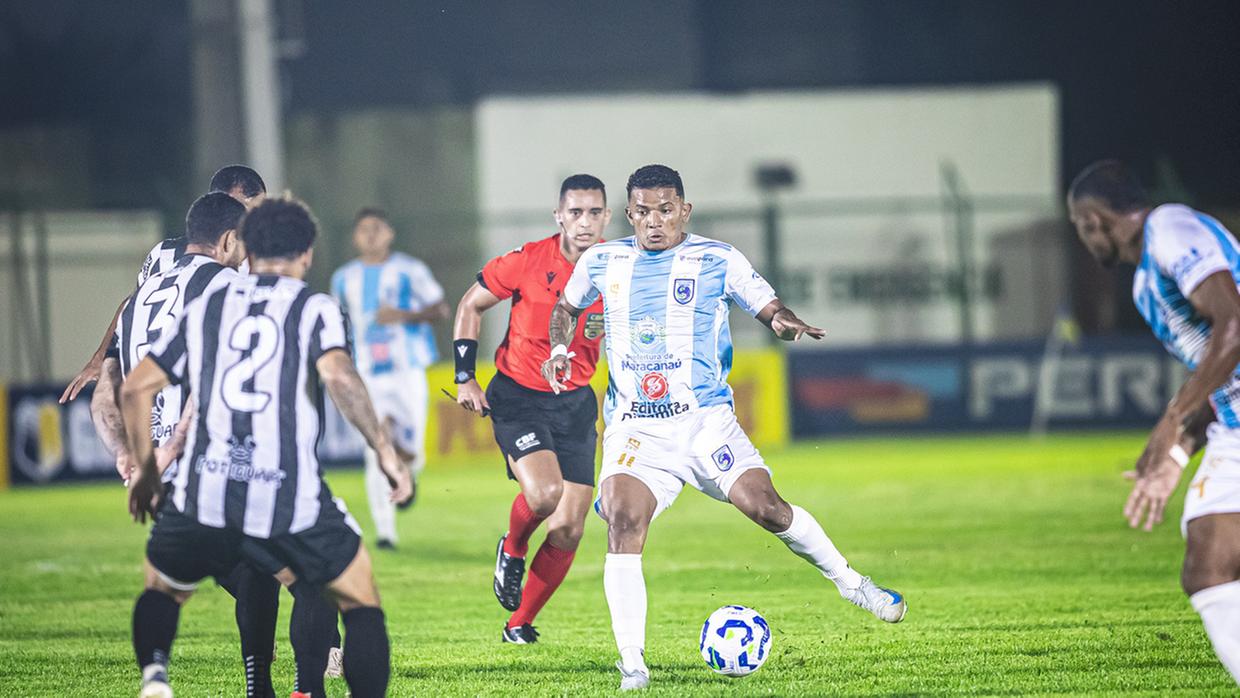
pixel 1215 488
pixel 401 397
pixel 705 448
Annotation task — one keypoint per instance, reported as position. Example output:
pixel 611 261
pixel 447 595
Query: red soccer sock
pixel 546 572
pixel 521 525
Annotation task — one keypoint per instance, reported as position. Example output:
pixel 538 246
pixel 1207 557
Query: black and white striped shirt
pixel 162 256
pixel 168 252
pixel 155 307
pixel 248 352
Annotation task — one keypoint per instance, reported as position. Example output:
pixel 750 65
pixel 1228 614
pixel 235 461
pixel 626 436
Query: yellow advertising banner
pixel 758 380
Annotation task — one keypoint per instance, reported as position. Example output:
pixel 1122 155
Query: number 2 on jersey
pixel 262 351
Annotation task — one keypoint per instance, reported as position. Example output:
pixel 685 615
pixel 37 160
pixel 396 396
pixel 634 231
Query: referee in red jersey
pixel 548 440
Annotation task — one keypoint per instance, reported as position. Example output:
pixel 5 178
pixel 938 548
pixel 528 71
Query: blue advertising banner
pixel 1098 383
pixel 49 442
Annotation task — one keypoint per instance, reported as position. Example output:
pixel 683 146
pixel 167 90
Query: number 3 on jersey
pixel 257 337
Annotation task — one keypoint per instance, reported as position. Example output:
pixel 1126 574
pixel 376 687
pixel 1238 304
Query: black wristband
pixel 465 356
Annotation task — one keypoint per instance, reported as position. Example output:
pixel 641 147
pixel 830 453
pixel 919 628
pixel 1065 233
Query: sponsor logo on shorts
pixel 723 458
pixel 655 410
pixel 594 325
pixel 682 290
pixel 654 385
pixel 528 441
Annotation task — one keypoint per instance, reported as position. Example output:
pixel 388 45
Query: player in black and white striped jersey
pixel 209 259
pixel 252 354
pixel 239 182
pixel 212 252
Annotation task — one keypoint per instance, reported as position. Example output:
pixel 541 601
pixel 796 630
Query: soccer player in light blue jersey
pixel 1188 268
pixel 391 299
pixel 668 410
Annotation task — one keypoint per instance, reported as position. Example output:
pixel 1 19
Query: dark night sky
pixel 1140 79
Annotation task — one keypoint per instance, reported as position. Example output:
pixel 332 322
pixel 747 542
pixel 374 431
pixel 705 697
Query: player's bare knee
pixel 774 515
pixel 566 536
pixel 543 500
pixel 625 526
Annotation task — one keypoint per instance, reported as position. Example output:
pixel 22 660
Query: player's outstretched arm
pixel 349 393
pixel 105 413
pixel 785 323
pixel 94 364
pixel 558 370
pixel 476 301
pixel 137 399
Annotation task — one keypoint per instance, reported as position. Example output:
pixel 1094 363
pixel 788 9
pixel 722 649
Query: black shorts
pixel 185 551
pixel 527 420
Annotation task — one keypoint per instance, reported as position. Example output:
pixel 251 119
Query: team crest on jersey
pixel 654 385
pixel 723 458
pixel 682 290
pixel 593 326
pixel 647 334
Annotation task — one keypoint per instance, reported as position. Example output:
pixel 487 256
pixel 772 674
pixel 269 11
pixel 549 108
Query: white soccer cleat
pixel 335 663
pixel 634 680
pixel 155 682
pixel 885 604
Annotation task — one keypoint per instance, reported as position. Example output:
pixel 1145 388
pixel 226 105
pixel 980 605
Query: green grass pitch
pixel 1020 574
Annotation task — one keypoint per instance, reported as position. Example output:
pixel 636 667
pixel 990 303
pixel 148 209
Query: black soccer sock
pixel 367 660
pixel 155 617
pixel 258 604
pixel 313 631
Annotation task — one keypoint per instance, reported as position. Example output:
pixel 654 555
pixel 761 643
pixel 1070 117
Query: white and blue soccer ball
pixel 735 641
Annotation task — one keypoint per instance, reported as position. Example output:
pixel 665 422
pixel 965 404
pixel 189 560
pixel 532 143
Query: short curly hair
pixel 282 228
pixel 655 177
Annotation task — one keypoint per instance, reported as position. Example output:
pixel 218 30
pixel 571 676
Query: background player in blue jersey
pixel 669 415
pixel 391 299
pixel 1188 267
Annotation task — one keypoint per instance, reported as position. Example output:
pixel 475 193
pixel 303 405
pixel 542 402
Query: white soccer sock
pixel 382 510
pixel 1219 608
pixel 806 538
pixel 626 598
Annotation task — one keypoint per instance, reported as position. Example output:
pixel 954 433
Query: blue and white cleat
pixel 155 682
pixel 634 680
pixel 886 605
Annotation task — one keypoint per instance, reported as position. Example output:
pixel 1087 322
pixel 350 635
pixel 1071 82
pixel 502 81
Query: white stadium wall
pixel 93 258
pixel 869 164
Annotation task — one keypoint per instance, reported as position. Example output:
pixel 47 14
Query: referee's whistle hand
pixel 470 396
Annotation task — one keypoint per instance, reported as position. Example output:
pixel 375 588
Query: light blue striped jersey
pixel 401 282
pixel 1182 248
pixel 665 315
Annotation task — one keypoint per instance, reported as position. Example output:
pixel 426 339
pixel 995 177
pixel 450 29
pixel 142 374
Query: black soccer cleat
pixel 520 635
pixel 509 571
pixel 385 544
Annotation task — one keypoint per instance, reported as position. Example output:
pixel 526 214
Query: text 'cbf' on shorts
pixel 526 421
pixel 705 448
pixel 1215 488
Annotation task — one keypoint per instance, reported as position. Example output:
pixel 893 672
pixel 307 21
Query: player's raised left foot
pixel 886 604
pixel 155 682
pixel 520 635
